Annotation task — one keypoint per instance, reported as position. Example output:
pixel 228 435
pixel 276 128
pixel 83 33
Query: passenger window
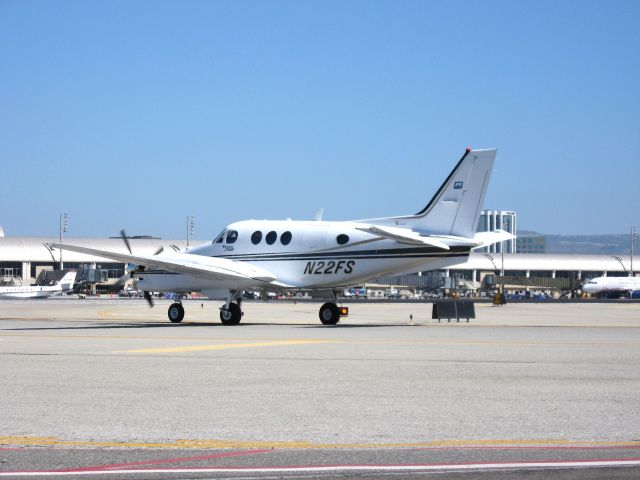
pixel 342 239
pixel 271 237
pixel 256 237
pixel 285 238
pixel 232 236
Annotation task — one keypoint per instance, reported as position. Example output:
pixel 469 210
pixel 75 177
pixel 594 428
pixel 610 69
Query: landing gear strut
pixel 176 312
pixel 231 312
pixel 330 313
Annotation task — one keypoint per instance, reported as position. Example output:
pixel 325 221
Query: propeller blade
pixel 148 298
pixel 159 251
pixel 123 234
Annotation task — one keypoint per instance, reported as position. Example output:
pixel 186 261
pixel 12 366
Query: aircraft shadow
pixel 128 326
pixel 116 326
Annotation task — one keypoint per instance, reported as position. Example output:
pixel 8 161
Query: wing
pixel 208 268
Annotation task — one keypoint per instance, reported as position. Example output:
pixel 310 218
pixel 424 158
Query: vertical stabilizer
pixel 455 208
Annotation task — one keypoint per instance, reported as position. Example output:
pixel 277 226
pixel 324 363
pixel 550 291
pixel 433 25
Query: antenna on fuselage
pixel 319 214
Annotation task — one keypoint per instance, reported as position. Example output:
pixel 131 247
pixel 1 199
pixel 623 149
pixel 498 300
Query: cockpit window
pixel 232 236
pixel 220 237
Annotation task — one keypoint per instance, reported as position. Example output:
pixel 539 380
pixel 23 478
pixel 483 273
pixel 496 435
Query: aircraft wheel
pixel 232 315
pixel 176 313
pixel 329 314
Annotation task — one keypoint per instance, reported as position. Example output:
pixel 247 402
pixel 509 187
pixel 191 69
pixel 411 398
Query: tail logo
pixel 458 185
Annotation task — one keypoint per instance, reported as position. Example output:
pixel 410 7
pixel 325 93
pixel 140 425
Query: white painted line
pixel 338 468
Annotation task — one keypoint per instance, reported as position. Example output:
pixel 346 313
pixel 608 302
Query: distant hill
pixel 613 244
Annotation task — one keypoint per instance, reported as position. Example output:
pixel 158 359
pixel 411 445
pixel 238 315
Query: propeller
pixel 123 234
pixel 147 295
pixel 148 298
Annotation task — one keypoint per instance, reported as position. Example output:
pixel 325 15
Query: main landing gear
pixel 231 312
pixel 176 312
pixel 330 313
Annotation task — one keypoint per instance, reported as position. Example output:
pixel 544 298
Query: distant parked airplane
pixel 64 285
pixel 320 255
pixel 612 284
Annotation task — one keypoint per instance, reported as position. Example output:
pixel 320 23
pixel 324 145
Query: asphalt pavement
pixel 111 389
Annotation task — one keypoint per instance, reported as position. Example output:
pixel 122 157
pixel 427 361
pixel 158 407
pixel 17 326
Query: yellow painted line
pixel 305 445
pixel 226 346
pixel 542 343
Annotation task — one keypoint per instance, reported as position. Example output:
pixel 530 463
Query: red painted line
pixel 163 461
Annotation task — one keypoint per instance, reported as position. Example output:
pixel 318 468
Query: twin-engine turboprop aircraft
pixel 320 255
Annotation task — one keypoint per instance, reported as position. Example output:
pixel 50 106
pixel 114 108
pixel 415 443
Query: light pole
pixel 633 241
pixel 190 227
pixel 502 266
pixel 64 226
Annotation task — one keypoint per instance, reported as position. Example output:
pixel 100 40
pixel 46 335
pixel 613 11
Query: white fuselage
pixel 30 291
pixel 306 255
pixel 40 291
pixel 612 284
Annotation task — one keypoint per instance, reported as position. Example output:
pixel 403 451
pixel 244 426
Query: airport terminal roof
pixel 548 262
pixel 36 249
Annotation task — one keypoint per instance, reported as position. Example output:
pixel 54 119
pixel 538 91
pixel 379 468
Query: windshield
pixel 220 237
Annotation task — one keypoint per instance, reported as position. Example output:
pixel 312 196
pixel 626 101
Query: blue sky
pixel 135 114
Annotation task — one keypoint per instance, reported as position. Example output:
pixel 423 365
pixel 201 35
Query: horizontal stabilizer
pixel 403 235
pixel 484 239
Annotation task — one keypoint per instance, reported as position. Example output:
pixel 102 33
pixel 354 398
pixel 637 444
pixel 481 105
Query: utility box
pixel 453 309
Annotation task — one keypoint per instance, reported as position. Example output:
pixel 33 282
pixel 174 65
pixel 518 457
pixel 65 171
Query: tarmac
pixel 103 387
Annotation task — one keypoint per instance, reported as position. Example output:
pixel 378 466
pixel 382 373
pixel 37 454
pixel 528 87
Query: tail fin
pixel 66 282
pixel 69 277
pixel 455 208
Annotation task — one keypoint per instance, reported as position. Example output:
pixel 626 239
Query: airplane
pixel 64 285
pixel 611 284
pixel 321 256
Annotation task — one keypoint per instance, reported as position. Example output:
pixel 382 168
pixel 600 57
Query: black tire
pixel 176 313
pixel 232 316
pixel 329 314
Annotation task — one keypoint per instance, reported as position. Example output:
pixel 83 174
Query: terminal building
pixel 24 259
pixel 492 220
pixel 518 263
